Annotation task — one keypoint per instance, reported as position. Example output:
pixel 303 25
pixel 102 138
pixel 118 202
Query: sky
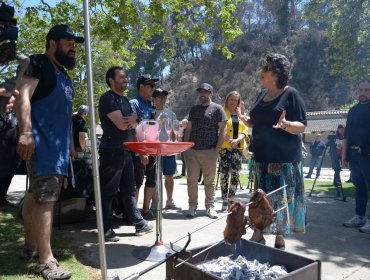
pixel 36 2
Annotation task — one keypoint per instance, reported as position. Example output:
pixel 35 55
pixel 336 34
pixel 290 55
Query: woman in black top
pixel 278 118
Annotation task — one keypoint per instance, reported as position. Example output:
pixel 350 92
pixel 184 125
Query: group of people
pixel 277 119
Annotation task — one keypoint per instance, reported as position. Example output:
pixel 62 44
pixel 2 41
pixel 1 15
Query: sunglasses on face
pixel 151 85
pixel 267 68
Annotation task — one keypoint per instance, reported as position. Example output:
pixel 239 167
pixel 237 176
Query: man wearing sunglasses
pixel 144 165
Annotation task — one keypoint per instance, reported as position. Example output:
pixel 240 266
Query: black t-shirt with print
pixel 41 68
pixel 204 125
pixel 113 137
pixel 276 145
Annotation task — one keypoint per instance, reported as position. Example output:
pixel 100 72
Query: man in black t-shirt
pixel 116 166
pixel 79 128
pixel 356 152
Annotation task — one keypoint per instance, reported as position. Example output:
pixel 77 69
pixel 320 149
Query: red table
pixel 159 250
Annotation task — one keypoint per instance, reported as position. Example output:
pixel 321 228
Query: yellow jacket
pixel 243 129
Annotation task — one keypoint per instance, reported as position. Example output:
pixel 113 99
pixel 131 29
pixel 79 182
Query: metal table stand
pixel 159 251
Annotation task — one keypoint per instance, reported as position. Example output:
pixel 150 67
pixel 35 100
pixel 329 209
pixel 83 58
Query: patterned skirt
pixel 271 176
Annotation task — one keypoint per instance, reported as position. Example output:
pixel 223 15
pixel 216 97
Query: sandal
pixel 52 270
pixel 261 239
pixel 280 246
pixel 279 243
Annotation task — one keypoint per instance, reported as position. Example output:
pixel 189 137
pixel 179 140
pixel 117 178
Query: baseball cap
pixel 206 87
pixel 83 109
pixel 62 31
pixel 159 91
pixel 145 79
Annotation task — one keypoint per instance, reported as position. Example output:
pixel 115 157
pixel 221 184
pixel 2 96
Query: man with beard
pixel 206 128
pixel 356 152
pixel 44 109
pixel 116 166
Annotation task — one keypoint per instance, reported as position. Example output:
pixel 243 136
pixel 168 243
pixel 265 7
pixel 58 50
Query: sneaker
pixel 149 216
pixel 355 221
pixel 110 236
pixel 192 212
pixel 308 176
pixel 146 229
pixel 212 213
pixel 172 205
pixel 366 227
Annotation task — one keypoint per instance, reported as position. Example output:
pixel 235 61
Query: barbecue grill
pixel 298 267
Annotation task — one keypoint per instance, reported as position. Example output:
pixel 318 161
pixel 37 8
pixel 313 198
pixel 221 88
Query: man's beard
pixel 363 99
pixel 68 62
pixel 203 100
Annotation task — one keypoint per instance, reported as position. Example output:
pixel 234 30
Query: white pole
pixel 99 218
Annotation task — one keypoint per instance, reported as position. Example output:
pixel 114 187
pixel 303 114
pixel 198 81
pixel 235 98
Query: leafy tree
pixel 347 25
pixel 123 30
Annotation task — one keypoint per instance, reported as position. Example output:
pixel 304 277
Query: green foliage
pixel 347 25
pixel 189 41
pixel 127 32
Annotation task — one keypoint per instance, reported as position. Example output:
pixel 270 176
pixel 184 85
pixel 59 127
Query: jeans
pixel 360 171
pixel 116 172
pixel 315 161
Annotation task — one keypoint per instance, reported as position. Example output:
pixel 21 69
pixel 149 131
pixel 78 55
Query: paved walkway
pixel 344 252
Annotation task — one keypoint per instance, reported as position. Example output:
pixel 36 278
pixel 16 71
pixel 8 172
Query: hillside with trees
pixel 185 42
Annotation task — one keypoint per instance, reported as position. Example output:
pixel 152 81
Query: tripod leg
pixel 240 184
pixel 319 168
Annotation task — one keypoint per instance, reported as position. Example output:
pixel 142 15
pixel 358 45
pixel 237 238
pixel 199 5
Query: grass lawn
pixel 11 243
pixel 323 188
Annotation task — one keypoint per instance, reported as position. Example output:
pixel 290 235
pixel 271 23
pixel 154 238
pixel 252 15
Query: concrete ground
pixel 344 252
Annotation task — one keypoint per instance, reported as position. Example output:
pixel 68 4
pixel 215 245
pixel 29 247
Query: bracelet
pixel 26 133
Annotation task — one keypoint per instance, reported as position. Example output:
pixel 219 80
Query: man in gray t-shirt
pixel 206 128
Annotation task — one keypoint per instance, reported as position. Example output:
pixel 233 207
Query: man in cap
pixel 317 148
pixel 206 128
pixel 44 109
pixel 168 162
pixel 79 128
pixel 145 165
pixel 116 167
pixel 356 152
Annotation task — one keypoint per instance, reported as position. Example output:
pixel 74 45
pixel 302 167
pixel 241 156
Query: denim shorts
pixel 169 165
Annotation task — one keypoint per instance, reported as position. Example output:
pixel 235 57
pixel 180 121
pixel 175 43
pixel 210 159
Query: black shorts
pixel 148 170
